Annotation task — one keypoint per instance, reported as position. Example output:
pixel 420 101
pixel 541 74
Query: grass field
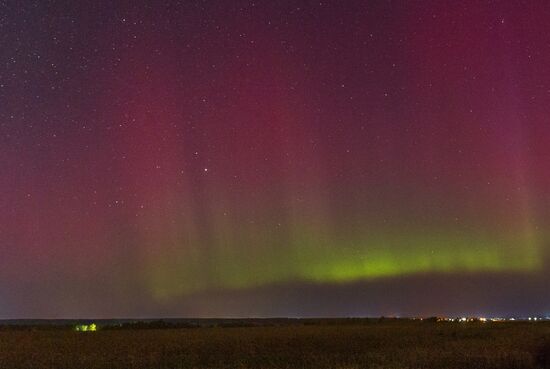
pixel 392 344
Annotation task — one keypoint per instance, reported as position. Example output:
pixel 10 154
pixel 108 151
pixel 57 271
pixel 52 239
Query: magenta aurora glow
pixel 282 158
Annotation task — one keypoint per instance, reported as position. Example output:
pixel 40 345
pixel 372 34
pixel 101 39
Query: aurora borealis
pixel 298 158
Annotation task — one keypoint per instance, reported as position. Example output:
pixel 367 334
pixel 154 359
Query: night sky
pixel 274 158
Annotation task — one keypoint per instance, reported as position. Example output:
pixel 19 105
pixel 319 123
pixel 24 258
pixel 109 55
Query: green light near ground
pixel 86 327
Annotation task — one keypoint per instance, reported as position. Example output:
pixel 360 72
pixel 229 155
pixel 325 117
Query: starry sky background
pixel 274 158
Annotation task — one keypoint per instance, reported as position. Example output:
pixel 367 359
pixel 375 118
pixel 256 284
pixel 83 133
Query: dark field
pixel 391 344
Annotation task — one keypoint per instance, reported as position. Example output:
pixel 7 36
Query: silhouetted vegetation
pixel 157 324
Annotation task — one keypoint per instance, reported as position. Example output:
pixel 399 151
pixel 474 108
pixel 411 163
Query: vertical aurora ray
pixel 290 230
pixel 153 154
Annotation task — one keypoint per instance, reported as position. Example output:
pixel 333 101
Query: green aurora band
pixel 314 256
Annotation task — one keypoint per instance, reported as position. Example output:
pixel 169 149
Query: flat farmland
pixel 394 344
